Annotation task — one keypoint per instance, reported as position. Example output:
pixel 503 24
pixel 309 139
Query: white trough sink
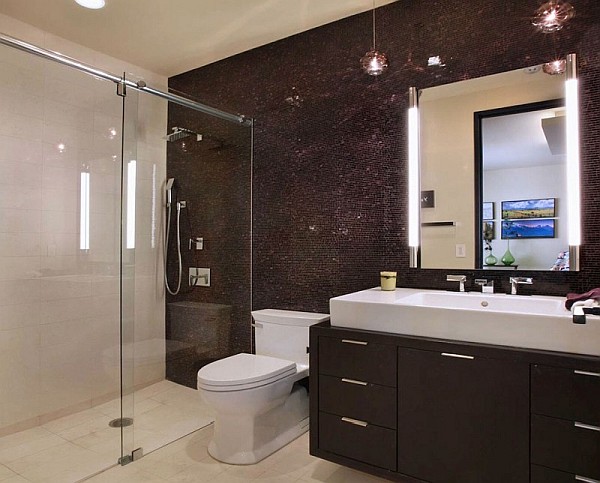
pixel 533 322
pixel 526 305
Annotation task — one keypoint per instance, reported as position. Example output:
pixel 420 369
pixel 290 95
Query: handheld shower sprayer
pixel 169 187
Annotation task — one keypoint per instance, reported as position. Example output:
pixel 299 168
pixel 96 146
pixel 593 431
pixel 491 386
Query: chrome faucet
pixel 461 279
pixel 486 287
pixel 515 281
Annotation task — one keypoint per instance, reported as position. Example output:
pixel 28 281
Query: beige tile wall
pixel 59 306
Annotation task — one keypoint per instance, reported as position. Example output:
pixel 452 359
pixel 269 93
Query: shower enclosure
pixel 84 344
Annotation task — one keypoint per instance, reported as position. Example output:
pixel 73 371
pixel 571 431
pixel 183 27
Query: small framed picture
pixel 489 230
pixel 428 199
pixel 540 208
pixel 488 210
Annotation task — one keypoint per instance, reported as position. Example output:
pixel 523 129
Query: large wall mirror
pixel 493 173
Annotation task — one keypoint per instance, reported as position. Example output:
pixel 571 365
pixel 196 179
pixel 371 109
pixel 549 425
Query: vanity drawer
pixel 359 400
pixel 541 474
pixel 358 358
pixel 368 443
pixel 565 445
pixel 566 393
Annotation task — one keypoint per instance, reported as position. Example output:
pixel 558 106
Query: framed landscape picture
pixel 488 210
pixel 539 208
pixel 528 229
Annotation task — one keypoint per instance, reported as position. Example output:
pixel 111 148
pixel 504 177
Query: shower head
pixel 180 133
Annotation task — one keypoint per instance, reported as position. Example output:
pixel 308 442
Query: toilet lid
pixel 244 369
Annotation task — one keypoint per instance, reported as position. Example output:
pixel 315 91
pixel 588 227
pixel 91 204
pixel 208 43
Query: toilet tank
pixel 284 333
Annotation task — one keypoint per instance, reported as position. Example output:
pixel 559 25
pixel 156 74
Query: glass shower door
pixel 60 217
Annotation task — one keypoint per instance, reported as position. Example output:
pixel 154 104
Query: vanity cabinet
pixel 462 417
pixel 565 422
pixel 413 409
pixel 357 394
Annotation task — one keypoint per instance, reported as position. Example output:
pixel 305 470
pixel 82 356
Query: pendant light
pixel 552 16
pixel 374 62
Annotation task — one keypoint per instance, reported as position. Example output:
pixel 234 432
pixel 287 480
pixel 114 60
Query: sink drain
pixel 121 422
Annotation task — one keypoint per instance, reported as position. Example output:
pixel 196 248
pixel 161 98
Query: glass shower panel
pixel 60 215
pixel 210 162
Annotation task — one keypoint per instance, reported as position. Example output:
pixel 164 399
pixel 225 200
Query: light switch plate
pixel 461 250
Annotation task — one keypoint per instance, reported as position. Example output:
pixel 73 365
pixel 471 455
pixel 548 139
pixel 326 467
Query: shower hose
pixel 166 245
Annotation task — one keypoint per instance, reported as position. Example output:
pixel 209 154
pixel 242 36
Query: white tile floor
pixel 76 446
pixel 187 460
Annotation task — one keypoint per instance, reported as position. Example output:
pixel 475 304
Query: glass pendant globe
pixel 374 62
pixel 553 15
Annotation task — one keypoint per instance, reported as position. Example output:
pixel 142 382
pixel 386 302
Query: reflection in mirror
pixel 493 139
pixel 521 155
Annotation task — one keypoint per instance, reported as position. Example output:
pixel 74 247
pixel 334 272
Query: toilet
pixel 258 404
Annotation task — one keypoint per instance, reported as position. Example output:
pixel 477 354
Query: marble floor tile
pixel 73 447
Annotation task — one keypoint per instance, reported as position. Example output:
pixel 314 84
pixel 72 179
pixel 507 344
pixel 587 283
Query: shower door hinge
pixel 121 89
pixel 135 455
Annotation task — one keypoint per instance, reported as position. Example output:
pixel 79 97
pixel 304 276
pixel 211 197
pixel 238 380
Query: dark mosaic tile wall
pixel 329 194
pixel 214 177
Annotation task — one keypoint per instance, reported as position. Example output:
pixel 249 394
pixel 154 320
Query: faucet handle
pixel 456 278
pixel 521 280
pixel 486 286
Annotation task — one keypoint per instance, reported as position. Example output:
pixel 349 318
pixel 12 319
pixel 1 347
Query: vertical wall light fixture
pixel 414 193
pixel 84 211
pixel 573 168
pixel 374 62
pixel 131 188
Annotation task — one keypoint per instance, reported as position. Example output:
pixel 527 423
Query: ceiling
pixel 518 141
pixel 173 36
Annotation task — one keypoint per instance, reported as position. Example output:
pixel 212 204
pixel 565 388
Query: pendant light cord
pixel 374 25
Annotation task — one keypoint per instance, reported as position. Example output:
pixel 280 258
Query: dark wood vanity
pixel 415 409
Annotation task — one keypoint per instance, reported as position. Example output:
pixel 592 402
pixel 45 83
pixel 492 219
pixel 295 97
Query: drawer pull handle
pixel 356 422
pixel 458 356
pixel 587 426
pixel 585 480
pixel 586 373
pixel 355 342
pixel 354 381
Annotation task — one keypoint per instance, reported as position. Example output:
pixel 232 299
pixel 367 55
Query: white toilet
pixel 258 406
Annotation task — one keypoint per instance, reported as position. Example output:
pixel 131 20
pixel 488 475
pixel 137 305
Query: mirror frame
pixel 572 167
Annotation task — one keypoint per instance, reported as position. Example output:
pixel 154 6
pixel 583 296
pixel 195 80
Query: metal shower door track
pixel 140 86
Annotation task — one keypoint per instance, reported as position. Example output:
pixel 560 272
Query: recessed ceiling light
pixel 95 4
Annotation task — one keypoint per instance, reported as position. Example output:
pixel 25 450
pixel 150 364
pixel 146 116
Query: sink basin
pixel 487 302
pixel 532 322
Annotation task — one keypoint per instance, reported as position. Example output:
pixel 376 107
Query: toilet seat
pixel 243 371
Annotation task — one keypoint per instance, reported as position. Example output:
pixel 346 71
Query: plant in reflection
pixel 488 236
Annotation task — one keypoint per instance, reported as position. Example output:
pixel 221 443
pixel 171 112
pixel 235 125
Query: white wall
pixel 59 306
pixel 523 184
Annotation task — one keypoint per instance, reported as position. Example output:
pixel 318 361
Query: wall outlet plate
pixel 199 277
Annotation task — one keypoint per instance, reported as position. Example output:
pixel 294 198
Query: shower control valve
pixel 199 277
pixel 197 243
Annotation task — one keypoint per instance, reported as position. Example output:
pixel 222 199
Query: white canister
pixel 388 280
